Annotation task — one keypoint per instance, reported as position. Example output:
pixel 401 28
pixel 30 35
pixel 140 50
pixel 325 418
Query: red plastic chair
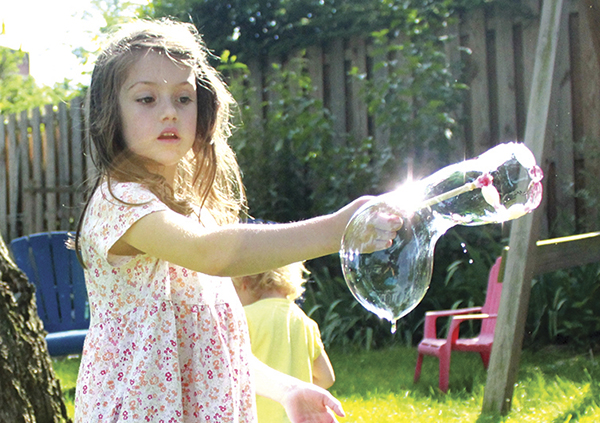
pixel 442 347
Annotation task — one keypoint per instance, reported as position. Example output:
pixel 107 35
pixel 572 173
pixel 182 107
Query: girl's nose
pixel 169 111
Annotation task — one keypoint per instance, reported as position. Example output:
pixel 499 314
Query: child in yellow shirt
pixel 281 334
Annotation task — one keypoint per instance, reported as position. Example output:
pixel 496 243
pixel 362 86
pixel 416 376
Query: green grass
pixel 554 385
pixel 66 369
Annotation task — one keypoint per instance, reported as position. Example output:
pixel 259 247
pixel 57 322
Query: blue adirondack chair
pixel 61 296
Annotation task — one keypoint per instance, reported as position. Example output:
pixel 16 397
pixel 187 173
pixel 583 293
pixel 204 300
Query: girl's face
pixel 159 111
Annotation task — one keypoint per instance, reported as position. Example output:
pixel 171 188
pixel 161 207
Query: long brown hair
pixel 208 176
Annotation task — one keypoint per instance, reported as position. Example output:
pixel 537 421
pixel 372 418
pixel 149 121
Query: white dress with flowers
pixel 165 344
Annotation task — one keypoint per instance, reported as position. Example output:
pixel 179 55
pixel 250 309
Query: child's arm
pixel 240 249
pixel 322 372
pixel 303 402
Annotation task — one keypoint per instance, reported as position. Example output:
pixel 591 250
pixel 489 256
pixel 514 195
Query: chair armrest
pixel 430 330
pixel 458 311
pixel 453 331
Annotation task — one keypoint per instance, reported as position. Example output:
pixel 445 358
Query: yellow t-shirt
pixel 286 339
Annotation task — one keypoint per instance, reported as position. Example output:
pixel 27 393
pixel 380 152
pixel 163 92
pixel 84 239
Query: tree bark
pixel 29 389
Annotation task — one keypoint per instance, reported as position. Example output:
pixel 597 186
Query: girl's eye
pixel 185 99
pixel 145 100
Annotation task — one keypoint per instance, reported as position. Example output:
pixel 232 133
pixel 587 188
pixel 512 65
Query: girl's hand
pixel 303 401
pixel 373 229
pixel 307 403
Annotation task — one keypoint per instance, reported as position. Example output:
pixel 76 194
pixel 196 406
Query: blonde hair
pixel 209 176
pixel 288 280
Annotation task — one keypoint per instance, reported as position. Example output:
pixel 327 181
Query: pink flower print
pixel 150 413
pixel 534 195
pixel 536 174
pixel 488 190
pixel 169 376
pixel 484 180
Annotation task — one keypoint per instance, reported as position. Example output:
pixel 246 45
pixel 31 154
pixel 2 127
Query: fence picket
pixel 3 180
pixel 505 73
pixel 77 176
pixel 64 168
pixel 24 158
pixel 335 84
pixel 314 55
pixel 359 121
pixel 37 161
pixel 13 177
pixel 50 172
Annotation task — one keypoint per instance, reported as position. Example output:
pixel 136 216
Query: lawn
pixel 554 385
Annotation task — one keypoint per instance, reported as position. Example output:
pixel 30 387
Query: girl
pixel 158 238
pixel 281 334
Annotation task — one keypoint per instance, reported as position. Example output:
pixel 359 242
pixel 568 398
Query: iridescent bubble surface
pixel 499 185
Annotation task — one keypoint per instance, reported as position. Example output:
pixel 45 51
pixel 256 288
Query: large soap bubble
pixel 501 184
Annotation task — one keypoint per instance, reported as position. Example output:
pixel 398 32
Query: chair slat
pixel 62 278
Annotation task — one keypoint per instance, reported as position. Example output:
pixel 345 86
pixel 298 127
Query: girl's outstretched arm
pixel 303 402
pixel 243 249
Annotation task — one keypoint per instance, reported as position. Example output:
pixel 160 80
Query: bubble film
pixel 502 184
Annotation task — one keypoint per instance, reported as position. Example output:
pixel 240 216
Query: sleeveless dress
pixel 165 344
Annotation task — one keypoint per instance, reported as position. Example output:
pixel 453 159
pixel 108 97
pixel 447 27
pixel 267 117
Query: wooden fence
pixel 42 169
pixel 42 166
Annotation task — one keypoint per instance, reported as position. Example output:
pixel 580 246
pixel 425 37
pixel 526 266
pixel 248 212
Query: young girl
pixel 281 334
pixel 158 238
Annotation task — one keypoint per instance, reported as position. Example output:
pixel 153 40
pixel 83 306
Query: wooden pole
pixel 520 266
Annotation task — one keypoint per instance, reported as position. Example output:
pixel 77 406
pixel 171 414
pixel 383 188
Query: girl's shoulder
pixel 130 193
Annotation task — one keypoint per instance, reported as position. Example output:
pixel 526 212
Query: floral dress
pixel 165 344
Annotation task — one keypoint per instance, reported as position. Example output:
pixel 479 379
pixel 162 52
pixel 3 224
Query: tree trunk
pixel 29 389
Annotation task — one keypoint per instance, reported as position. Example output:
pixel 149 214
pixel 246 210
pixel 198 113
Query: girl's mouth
pixel 168 136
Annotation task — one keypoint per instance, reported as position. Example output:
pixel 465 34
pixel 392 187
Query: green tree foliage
pixel 19 92
pixel 114 13
pixel 274 26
